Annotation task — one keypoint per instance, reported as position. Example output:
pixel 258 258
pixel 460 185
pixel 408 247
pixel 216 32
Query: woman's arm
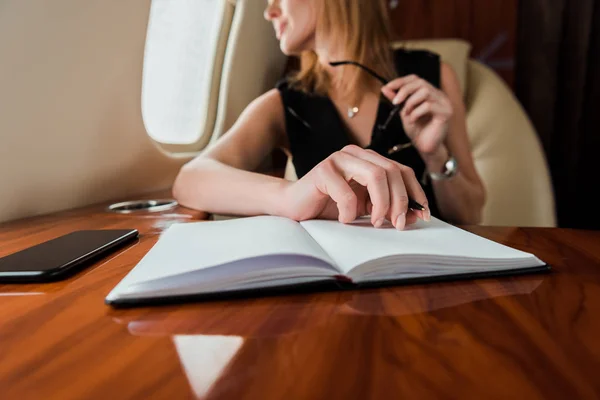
pixel 460 198
pixel 219 181
pixel 435 120
pixel 348 184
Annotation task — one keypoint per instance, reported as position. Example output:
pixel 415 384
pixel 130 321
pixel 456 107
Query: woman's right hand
pixel 355 182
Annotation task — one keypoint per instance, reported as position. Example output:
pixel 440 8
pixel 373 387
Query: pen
pixel 413 205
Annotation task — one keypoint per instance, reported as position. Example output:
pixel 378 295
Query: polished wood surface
pixel 534 337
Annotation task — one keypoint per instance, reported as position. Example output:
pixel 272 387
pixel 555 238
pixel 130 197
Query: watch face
pixel 450 165
pixel 450 168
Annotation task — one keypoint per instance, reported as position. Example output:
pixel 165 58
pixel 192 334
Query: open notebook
pixel 258 253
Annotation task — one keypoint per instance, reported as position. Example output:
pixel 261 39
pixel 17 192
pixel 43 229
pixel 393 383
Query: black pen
pixel 413 205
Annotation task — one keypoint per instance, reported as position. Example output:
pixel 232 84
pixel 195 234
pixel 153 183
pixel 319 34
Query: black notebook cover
pixel 326 285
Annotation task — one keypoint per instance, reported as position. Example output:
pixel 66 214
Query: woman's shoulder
pixel 288 84
pixel 267 100
pixel 291 94
pixel 283 84
pixel 421 62
pixel 415 53
pixel 267 106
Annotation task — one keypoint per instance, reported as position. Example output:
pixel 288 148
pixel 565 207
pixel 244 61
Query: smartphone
pixel 61 257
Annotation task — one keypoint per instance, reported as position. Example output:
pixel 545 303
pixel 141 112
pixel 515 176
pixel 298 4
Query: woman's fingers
pixel 369 207
pixel 407 90
pixel 335 186
pixel 389 186
pixel 398 212
pixel 401 89
pixel 426 108
pixel 388 93
pixel 421 95
pixel 398 195
pixel 390 90
pixel 411 218
pixel 415 191
pixel 397 83
pixel 369 175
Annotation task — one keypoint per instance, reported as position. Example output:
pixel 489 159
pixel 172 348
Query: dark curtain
pixel 558 83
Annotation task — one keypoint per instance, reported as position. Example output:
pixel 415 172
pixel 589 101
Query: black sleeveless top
pixel 316 130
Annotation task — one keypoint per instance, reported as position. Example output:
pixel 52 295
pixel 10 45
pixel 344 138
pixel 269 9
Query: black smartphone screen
pixel 62 256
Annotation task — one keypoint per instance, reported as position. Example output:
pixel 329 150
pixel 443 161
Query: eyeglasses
pixel 395 109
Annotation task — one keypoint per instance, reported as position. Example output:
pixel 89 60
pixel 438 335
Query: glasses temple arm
pixel 370 71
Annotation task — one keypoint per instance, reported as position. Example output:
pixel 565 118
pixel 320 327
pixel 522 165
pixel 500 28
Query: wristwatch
pixel 450 169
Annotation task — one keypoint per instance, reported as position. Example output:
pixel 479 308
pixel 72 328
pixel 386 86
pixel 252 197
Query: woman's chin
pixel 289 49
pixel 285 48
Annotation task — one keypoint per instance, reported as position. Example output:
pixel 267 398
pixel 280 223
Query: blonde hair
pixel 362 29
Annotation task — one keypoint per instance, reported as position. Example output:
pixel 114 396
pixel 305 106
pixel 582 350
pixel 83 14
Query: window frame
pixel 212 94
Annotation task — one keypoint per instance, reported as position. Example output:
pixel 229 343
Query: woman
pixel 350 161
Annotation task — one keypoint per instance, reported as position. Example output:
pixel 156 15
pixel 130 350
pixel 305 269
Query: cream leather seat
pixel 505 146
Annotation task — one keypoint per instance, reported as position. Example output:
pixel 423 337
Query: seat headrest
pixel 455 52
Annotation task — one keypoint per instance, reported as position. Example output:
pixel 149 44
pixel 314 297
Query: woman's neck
pixel 336 75
pixel 327 55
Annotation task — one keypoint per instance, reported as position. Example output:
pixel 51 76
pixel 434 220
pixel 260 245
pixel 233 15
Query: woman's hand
pixel 426 114
pixel 355 182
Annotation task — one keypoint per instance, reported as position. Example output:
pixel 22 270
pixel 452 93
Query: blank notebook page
pixel 354 244
pixel 195 246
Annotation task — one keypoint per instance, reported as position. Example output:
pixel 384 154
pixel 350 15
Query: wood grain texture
pixel 528 337
pixel 490 26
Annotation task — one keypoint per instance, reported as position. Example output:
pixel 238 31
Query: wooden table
pixel 535 337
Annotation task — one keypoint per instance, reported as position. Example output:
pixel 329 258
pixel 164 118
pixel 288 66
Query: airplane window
pixel 179 61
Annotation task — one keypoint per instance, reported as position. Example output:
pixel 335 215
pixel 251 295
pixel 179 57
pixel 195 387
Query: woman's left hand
pixel 426 114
